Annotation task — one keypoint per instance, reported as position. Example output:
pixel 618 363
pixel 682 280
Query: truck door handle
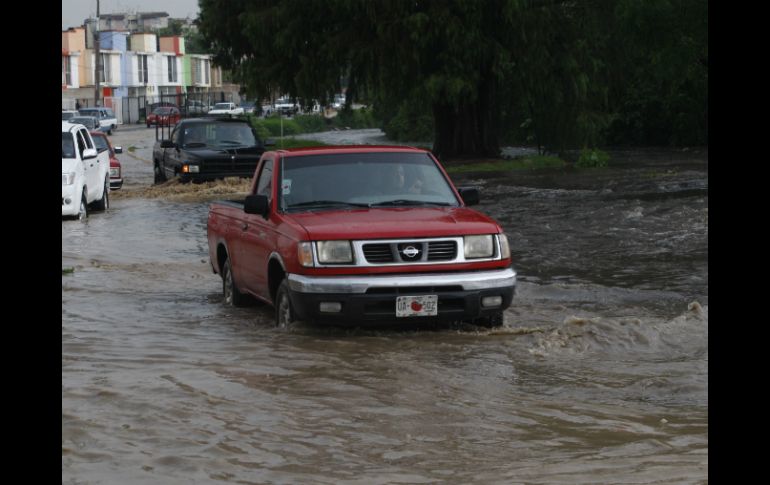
pixel 244 226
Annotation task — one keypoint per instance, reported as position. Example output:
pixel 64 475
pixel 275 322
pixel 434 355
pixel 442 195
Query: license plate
pixel 417 306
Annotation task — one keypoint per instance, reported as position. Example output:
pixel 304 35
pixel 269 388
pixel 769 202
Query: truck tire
pixel 160 176
pixel 284 313
pixel 233 296
pixel 83 212
pixel 104 203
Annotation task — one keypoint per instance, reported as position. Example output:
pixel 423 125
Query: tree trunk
pixel 468 129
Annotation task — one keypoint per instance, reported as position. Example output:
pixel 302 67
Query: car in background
pixel 107 120
pixel 248 106
pixel 164 116
pixel 67 114
pixel 285 106
pixel 89 122
pixel 103 143
pixel 226 108
pixel 339 101
pixel 194 107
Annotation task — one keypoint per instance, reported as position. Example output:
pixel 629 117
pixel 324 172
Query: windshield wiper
pixel 326 203
pixel 194 144
pixel 401 202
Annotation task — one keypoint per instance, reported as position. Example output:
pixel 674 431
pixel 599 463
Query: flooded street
pixel 599 375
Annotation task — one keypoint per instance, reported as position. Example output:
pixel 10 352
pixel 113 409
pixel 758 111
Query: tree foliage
pixel 557 73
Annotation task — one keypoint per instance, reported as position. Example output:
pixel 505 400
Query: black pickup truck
pixel 200 149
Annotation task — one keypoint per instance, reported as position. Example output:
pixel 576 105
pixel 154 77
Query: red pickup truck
pixel 361 235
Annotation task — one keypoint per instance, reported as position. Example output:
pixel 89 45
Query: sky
pixel 73 12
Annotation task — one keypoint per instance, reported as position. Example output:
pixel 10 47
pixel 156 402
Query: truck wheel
pixel 104 203
pixel 160 176
pixel 284 313
pixel 83 212
pixel 233 297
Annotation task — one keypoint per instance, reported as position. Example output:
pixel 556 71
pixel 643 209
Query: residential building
pixel 134 66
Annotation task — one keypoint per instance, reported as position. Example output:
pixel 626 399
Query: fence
pixel 134 109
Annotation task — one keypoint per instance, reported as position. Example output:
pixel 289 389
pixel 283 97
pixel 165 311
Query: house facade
pixel 133 65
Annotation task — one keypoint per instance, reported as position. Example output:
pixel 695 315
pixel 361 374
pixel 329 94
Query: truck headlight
pixel 334 252
pixel 479 246
pixel 188 168
pixel 68 178
pixel 114 172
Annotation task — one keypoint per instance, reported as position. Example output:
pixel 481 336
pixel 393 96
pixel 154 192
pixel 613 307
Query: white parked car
pixel 85 172
pixel 225 109
pixel 286 107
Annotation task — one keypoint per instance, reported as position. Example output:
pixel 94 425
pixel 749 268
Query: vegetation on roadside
pixel 276 126
pixel 67 271
pixel 592 158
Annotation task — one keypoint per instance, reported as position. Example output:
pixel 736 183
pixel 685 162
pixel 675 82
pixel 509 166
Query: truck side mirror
pixel 256 204
pixel 470 195
pixel 89 153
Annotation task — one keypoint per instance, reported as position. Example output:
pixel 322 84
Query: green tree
pixel 453 54
pixel 556 71
pixel 175 27
pixel 662 49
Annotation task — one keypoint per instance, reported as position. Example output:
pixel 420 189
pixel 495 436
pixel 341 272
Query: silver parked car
pixel 88 121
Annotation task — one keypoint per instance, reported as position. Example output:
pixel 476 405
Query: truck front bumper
pixel 70 205
pixel 372 299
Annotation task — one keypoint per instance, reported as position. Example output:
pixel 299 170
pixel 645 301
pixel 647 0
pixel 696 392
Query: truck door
pixel 170 159
pixel 257 236
pixel 91 166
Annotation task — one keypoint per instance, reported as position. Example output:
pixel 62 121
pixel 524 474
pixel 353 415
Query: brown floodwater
pixel 599 375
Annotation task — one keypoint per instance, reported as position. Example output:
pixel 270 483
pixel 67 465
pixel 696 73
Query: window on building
pixel 172 69
pixel 198 71
pixel 66 71
pixel 206 71
pixel 105 74
pixel 142 69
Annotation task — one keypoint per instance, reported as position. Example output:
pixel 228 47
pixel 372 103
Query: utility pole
pixel 97 70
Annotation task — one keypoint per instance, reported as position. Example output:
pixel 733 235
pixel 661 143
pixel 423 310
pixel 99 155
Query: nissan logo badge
pixel 411 251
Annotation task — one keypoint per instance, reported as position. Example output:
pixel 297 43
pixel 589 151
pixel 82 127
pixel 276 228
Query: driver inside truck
pixel 402 180
pixel 194 134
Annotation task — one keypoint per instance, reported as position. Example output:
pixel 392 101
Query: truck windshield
pixel 219 135
pixel 322 182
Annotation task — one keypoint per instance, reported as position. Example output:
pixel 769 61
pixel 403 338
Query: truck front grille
pixel 236 167
pixel 410 251
pixel 378 253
